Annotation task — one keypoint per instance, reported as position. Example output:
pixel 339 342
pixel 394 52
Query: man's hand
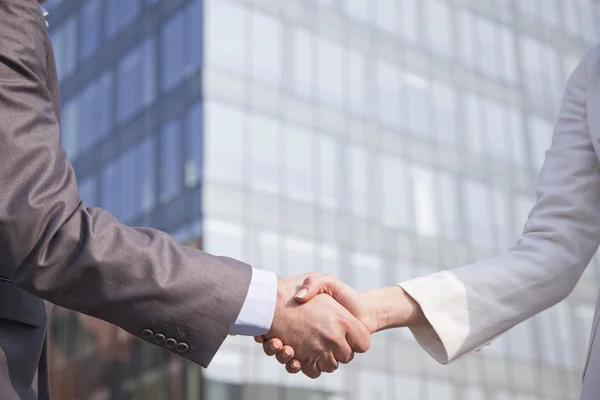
pixel 377 309
pixel 321 332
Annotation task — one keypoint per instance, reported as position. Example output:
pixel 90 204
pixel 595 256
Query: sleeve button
pixel 146 334
pixel 182 348
pixel 159 338
pixel 170 343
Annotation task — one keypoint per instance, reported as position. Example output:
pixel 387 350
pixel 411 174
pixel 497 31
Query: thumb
pixel 316 284
pixel 331 285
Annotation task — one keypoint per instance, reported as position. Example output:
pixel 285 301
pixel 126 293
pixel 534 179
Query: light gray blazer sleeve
pixel 82 258
pixel 470 306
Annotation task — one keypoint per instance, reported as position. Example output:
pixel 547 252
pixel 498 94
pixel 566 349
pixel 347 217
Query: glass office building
pixel 375 139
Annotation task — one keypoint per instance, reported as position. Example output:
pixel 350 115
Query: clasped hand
pixel 319 334
pixel 320 321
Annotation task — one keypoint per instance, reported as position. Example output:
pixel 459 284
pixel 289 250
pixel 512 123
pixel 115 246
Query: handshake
pixel 320 321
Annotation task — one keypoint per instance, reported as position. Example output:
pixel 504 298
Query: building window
pixel 516 133
pixel 487 47
pixel 96 110
pixel 269 252
pixel 94 106
pixel 521 342
pixel 390 103
pixel 424 202
pixel 224 238
pixel 128 189
pixel 368 272
pixel 386 15
pixel 355 85
pixel 265 149
pixel 195 24
pixel 173 51
pixel 373 384
pixel 194 145
pixel 448 209
pixel 478 212
pixel 329 262
pixel 439 389
pixel 299 253
pixel 110 180
pixel 328 174
pixel 358 9
pixel 329 71
pixel 299 162
pixel 136 80
pixel 580 17
pixel 70 128
pixel 120 14
pixel 555 336
pixel 397 209
pixel 181 45
pixel 64 42
pixel 266 50
pixel 146 178
pixel 90 29
pixel 224 142
pixel 409 19
pixel 409 387
pixel 546 10
pixel 417 91
pixel 88 190
pixel 445 112
pixel 358 162
pixel 540 66
pixel 226 42
pixel 475 138
pixel 302 67
pixel 438 27
pixel 495 118
pixel 171 168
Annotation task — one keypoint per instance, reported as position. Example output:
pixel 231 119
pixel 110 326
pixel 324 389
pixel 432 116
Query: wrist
pixel 392 307
pixel 282 298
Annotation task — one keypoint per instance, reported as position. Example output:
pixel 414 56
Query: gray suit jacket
pixel 53 247
pixel 472 305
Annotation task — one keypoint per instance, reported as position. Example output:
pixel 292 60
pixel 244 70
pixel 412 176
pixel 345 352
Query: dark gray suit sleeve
pixel 82 258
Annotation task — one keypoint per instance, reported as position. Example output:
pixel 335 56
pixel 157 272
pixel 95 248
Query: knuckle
pixel 281 358
pixel 364 345
pixel 346 358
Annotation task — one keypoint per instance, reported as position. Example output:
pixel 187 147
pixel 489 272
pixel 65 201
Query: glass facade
pixel 378 140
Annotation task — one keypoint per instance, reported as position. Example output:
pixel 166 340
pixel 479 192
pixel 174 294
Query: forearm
pixel 138 279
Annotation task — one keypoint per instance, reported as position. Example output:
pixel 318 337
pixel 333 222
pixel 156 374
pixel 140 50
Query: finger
pixel 328 363
pixel 293 367
pixel 316 284
pixel 331 285
pixel 272 346
pixel 343 353
pixel 259 339
pixel 285 355
pixel 357 335
pixel 311 370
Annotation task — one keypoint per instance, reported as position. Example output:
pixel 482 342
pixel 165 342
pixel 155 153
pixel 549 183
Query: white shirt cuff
pixel 257 313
